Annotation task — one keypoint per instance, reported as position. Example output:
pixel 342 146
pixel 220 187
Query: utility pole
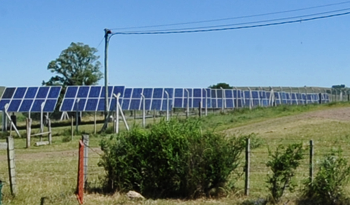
pixel 107 37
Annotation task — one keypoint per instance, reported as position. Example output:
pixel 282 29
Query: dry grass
pixel 51 171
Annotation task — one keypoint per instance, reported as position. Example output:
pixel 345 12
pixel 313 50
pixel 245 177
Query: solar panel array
pixel 89 98
pixel 92 98
pixel 29 99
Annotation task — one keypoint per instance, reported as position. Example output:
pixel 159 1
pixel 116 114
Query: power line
pixel 232 18
pixel 230 28
pixel 245 23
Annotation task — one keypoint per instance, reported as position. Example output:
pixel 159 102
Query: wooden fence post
pixel 85 139
pixel 11 164
pixel 311 160
pixel 247 168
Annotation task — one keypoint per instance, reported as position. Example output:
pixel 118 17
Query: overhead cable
pixel 232 18
pixel 195 30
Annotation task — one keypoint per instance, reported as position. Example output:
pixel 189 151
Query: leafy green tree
pixel 221 85
pixel 76 65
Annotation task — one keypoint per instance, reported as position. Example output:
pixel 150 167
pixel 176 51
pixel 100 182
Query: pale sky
pixel 311 53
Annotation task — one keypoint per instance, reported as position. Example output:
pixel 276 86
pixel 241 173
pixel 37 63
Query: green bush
pixel 328 185
pixel 170 159
pixel 283 163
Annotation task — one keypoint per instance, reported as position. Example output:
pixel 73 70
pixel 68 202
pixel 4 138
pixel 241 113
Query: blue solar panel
pixel 31 92
pixel 188 92
pixel 119 89
pixel 54 92
pixel 156 104
pixel 164 105
pixel 95 92
pixel 25 106
pixel 147 104
pixel 103 93
pixel 135 104
pixel 101 104
pixel 50 105
pixel 67 105
pixel 179 92
pixel 42 93
pixel 83 92
pixel 3 102
pixel 14 105
pixel 255 94
pixel 8 93
pixel 91 98
pixel 158 93
pixel 71 92
pixel 91 105
pixel 20 93
pixel 37 105
pixel 147 92
pixel 229 103
pixel 178 102
pixel 197 93
pixel 79 104
pixel 196 102
pixel 228 94
pixel 137 93
pixel 219 93
pixel 24 99
pixel 170 92
pixel 127 93
pixel 126 103
pixel 213 93
pixel 189 102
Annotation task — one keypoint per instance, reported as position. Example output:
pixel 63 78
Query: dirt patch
pixel 284 124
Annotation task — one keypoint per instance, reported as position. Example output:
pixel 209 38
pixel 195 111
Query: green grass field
pixel 51 171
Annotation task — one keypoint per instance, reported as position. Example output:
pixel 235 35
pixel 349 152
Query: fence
pixel 315 151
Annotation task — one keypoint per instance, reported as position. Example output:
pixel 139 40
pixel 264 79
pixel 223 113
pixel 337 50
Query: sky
pixel 305 53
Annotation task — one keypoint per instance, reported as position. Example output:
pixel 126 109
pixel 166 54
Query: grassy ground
pixel 51 171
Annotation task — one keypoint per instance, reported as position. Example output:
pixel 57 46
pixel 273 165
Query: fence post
pixel 11 164
pixel 71 128
pixel 50 132
pixel 85 139
pixel 80 184
pixel 29 125
pixel 247 167
pixel 311 160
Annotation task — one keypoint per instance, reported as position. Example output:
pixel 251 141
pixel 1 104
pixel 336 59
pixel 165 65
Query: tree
pixel 76 65
pixel 221 85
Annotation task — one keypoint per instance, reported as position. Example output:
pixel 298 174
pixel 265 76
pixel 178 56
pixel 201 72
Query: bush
pixel 283 164
pixel 328 185
pixel 171 159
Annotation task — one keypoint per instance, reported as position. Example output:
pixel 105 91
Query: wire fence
pixel 308 167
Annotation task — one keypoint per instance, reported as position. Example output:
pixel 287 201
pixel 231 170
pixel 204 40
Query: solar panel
pixel 89 98
pixel 29 99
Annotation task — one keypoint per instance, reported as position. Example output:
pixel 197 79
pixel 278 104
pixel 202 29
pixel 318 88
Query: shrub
pixel 283 164
pixel 328 185
pixel 171 159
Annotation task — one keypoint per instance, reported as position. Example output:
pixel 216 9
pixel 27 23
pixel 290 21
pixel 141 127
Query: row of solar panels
pixel 92 98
